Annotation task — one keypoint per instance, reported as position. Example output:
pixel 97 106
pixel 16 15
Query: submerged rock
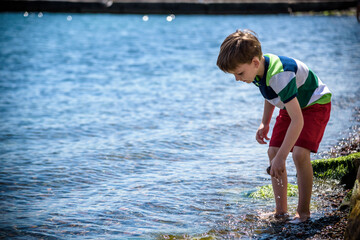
pixel 265 192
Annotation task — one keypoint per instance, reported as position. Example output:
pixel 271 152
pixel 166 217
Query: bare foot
pixel 266 215
pixel 298 219
pixel 273 215
pixel 281 217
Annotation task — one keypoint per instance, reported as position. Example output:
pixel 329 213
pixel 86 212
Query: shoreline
pixel 176 7
pixel 351 143
pixel 333 206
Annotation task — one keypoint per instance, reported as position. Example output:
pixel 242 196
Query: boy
pixel 304 102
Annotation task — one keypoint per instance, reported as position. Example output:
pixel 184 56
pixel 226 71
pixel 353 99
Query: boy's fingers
pixel 260 138
pixel 258 134
pixel 276 173
pixel 272 172
pixel 280 173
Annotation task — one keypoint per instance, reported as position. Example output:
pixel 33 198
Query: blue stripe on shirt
pixel 289 64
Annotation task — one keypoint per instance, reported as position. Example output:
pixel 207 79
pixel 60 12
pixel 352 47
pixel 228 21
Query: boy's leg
pixel 279 187
pixel 301 157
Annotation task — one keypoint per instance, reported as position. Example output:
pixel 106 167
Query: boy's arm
pixel 265 122
pixel 292 134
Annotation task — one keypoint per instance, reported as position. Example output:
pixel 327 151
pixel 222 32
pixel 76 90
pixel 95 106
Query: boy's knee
pixel 300 153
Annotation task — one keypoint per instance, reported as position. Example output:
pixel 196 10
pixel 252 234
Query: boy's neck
pixel 261 70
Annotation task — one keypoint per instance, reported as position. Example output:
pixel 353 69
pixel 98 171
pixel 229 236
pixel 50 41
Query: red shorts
pixel 315 119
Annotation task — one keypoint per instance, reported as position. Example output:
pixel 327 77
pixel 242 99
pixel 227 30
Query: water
pixel 115 127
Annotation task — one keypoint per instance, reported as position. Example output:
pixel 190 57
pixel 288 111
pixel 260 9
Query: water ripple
pixel 112 127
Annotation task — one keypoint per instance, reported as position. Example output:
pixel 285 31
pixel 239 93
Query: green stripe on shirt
pixel 275 67
pixel 307 89
pixel 289 91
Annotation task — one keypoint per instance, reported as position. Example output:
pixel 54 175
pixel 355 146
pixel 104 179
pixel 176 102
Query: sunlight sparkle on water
pixel 170 17
pixel 145 18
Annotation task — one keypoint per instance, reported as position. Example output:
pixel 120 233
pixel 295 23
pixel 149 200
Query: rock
pixel 347 170
pixel 345 204
pixel 353 228
pixel 344 169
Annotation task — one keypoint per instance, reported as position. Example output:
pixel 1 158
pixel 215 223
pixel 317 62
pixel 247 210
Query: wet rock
pixel 342 168
pixel 353 229
pixel 346 170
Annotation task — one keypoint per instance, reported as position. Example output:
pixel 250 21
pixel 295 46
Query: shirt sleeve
pixel 284 85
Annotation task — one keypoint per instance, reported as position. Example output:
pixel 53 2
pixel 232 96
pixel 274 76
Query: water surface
pixel 114 127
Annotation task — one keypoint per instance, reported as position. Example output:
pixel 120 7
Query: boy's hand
pixel 277 167
pixel 262 133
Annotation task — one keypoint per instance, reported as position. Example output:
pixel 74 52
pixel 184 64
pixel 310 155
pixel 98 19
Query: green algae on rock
pixel 343 168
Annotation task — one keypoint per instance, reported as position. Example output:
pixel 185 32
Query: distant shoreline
pixel 175 7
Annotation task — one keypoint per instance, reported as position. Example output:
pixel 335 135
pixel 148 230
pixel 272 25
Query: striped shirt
pixel 286 78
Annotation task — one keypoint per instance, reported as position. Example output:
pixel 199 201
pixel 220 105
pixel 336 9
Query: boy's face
pixel 247 72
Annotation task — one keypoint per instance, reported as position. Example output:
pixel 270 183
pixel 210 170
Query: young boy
pixel 304 102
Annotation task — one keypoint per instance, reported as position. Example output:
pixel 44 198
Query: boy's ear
pixel 256 61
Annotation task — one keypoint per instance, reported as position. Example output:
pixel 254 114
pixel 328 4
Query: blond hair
pixel 238 48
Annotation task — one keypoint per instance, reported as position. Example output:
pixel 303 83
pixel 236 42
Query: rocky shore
pixel 344 221
pixel 337 193
pixel 336 196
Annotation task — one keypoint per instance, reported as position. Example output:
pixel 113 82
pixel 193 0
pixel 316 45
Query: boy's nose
pixel 239 79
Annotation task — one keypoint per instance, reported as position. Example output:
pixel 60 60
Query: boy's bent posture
pixel 305 104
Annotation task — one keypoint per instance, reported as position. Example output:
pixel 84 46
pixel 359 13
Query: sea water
pixel 122 126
